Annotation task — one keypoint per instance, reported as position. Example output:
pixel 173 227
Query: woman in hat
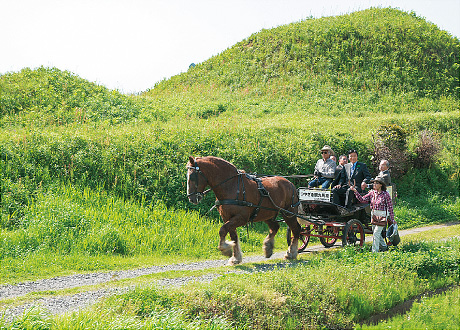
pixel 324 169
pixel 381 210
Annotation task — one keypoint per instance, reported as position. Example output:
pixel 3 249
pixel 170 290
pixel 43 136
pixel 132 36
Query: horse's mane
pixel 216 161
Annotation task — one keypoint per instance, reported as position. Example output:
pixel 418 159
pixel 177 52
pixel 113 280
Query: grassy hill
pixel 369 54
pixel 70 148
pixel 51 96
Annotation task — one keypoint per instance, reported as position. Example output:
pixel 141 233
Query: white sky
pixel 130 45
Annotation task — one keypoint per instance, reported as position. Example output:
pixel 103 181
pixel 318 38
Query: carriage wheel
pixel 327 241
pixel 304 238
pixel 353 234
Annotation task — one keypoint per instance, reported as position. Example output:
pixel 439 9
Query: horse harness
pixel 240 177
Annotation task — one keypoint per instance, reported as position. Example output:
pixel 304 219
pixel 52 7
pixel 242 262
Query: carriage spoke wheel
pixel 304 238
pixel 353 234
pixel 328 241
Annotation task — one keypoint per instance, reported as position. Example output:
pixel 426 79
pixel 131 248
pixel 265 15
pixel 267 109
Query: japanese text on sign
pixel 315 195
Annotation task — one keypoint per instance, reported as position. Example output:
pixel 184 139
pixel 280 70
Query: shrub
pixel 427 150
pixel 390 144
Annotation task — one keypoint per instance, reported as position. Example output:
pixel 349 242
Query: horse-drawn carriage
pixel 320 217
pixel 242 198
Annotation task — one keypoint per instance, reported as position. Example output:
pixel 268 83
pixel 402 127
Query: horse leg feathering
pixel 226 248
pixel 268 246
pixel 237 254
pixel 292 251
pixel 269 241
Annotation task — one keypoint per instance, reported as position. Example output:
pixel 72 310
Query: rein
pixel 263 193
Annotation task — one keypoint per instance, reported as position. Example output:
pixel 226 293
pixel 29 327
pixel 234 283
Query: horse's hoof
pixel 268 248
pixel 268 251
pixel 233 261
pixel 227 248
pixel 290 256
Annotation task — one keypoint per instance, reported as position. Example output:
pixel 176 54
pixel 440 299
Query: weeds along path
pixel 65 303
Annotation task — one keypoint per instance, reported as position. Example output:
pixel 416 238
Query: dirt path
pixel 61 304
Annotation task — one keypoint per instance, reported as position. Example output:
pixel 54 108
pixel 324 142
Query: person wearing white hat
pixel 324 169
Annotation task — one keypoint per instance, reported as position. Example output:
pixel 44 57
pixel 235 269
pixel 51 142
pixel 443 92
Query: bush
pixel 427 150
pixel 390 143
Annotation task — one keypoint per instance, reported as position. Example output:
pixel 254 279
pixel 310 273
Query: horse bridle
pixel 194 178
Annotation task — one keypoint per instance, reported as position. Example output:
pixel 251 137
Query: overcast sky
pixel 130 45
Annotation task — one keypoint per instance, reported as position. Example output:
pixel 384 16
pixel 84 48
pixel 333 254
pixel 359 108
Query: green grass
pixel 317 291
pixel 70 230
pixel 142 161
pixel 438 312
pixel 173 319
pixel 93 180
pixel 351 51
pixel 73 221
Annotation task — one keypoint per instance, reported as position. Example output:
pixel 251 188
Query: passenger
pixel 342 161
pixel 384 168
pixel 353 173
pixel 338 170
pixel 381 210
pixel 324 169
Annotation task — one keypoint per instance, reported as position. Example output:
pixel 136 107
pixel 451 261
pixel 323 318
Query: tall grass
pixel 67 229
pixel 67 220
pixel 376 49
pixel 142 161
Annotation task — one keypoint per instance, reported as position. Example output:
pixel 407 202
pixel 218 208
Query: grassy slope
pixel 376 51
pixel 262 104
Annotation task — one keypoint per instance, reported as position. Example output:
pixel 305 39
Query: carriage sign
pixel 314 195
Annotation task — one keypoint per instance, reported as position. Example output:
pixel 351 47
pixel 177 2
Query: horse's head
pixel 196 181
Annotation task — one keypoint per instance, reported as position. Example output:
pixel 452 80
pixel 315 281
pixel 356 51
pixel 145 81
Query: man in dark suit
pixel 353 174
pixel 342 161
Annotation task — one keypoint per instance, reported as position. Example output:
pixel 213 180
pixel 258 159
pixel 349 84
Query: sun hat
pixel 327 148
pixel 380 180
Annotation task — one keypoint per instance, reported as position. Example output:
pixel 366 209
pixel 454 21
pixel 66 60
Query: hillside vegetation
pixel 51 96
pixel 363 57
pixel 70 148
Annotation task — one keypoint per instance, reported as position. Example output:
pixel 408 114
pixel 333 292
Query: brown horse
pixel 241 198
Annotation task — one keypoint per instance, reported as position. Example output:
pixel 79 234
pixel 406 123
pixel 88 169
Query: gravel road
pixel 66 303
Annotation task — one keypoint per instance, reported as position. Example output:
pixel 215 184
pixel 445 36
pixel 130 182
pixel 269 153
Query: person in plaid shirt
pixel 381 205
